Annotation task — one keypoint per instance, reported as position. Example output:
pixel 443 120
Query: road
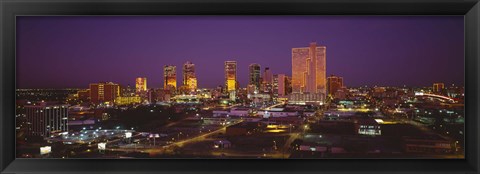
pixel 167 148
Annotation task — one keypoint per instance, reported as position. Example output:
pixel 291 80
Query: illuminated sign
pixel 102 146
pixel 45 150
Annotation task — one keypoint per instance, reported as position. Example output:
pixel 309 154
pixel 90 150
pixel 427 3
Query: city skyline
pixel 410 66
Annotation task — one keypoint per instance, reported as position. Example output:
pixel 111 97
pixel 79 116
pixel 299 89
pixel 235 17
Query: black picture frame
pixel 9 9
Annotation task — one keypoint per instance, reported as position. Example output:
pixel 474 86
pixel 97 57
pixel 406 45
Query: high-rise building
pixel 141 84
pixel 275 86
pixel 170 77
pixel 104 92
pixel 192 83
pixel 254 77
pixel 189 78
pixel 334 83
pixel 267 81
pixel 288 85
pixel 230 75
pixel 280 85
pixel 43 118
pixel 438 87
pixel 128 91
pixel 309 71
pixel 267 76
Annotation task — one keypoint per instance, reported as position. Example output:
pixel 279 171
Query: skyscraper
pixel 189 78
pixel 267 76
pixel 288 85
pixel 280 85
pixel 309 70
pixel 170 77
pixel 334 83
pixel 141 84
pixel 230 75
pixel 104 92
pixel 254 75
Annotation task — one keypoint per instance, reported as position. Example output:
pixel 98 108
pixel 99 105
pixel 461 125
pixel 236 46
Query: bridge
pixel 435 96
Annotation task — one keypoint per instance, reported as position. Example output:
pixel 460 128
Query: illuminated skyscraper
pixel 230 75
pixel 267 76
pixel 254 75
pixel 189 79
pixel 192 83
pixel 170 77
pixel 141 84
pixel 104 92
pixel 334 83
pixel 309 70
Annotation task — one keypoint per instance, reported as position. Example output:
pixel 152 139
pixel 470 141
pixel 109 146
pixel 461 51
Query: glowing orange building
pixel 189 78
pixel 104 92
pixel 231 75
pixel 334 83
pixel 309 70
pixel 141 84
pixel 170 77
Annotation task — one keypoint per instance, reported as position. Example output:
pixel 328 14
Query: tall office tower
pixel 275 81
pixel 334 83
pixel 254 75
pixel 309 70
pixel 192 84
pixel 267 81
pixel 309 74
pixel 43 118
pixel 267 76
pixel 170 77
pixel 141 84
pixel 279 85
pixel 438 87
pixel 189 79
pixel 104 92
pixel 230 75
pixel 288 85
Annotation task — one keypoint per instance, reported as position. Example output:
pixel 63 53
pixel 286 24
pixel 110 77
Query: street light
pixel 178 136
pixel 154 136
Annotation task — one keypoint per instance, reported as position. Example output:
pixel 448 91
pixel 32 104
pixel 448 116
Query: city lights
pixel 244 95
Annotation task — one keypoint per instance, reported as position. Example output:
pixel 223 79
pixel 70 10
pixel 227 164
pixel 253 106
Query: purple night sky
pixel 58 52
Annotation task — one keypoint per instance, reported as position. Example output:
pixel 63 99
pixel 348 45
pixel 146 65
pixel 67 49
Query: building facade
pixel 230 75
pixel 170 77
pixel 189 78
pixel 141 84
pixel 309 70
pixel 280 85
pixel 438 87
pixel 334 83
pixel 104 92
pixel 43 119
pixel 254 77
